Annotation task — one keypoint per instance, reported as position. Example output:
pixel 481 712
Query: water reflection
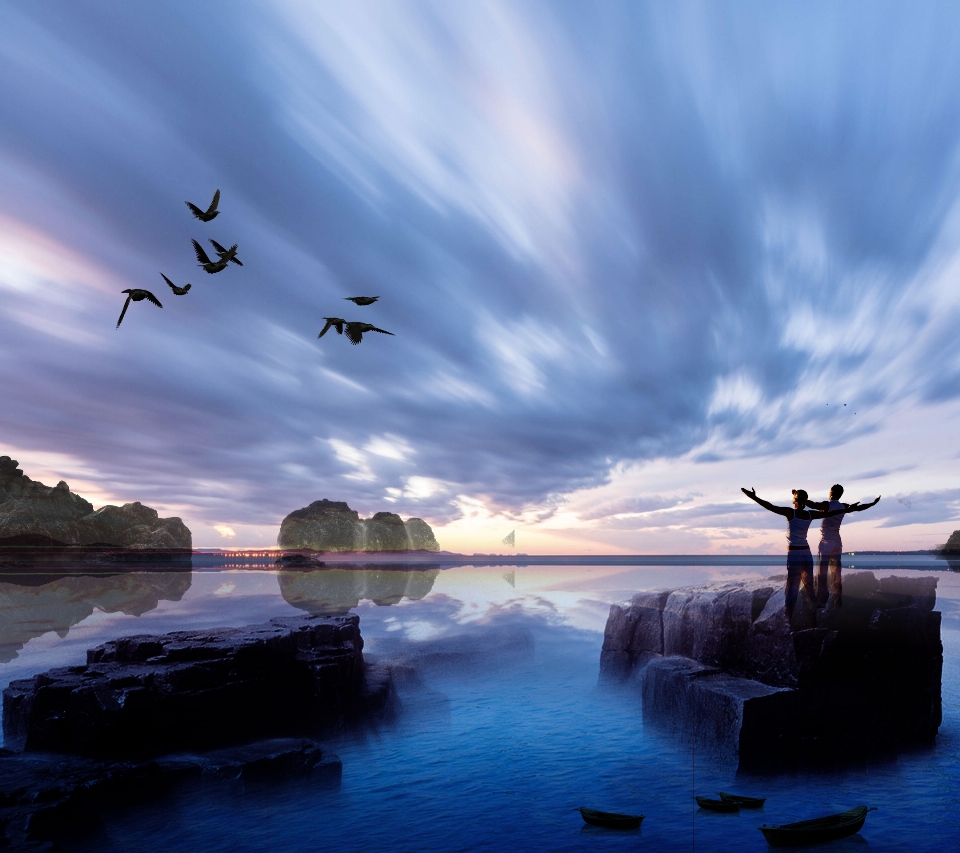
pixel 32 605
pixel 331 591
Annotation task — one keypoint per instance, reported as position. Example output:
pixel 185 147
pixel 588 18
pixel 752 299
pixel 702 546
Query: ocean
pixel 496 748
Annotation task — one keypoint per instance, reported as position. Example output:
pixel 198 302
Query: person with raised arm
pixel 831 547
pixel 799 558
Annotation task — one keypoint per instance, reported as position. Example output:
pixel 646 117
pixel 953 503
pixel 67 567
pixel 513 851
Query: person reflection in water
pixel 831 547
pixel 799 558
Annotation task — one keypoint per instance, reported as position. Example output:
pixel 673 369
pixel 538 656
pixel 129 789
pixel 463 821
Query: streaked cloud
pixel 632 238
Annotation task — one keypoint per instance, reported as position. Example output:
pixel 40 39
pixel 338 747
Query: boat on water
pixel 743 802
pixel 611 820
pixel 827 828
pixel 717 805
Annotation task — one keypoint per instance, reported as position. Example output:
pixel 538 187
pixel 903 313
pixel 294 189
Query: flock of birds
pixel 354 330
pixel 225 257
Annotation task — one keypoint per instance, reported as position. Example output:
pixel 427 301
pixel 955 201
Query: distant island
pixel 35 515
pixel 327 525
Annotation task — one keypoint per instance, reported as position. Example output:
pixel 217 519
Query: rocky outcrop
pixel 32 605
pixel 150 695
pixel 32 514
pixel 721 664
pixel 952 545
pixel 338 590
pixel 53 798
pixel 332 526
pixel 950 551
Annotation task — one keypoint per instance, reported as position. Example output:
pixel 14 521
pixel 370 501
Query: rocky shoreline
pixel 152 711
pixel 720 666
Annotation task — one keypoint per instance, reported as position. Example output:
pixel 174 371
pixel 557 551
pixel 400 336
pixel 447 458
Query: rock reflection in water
pixel 33 605
pixel 331 591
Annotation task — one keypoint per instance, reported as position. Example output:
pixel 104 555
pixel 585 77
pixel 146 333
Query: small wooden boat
pixel 611 820
pixel 717 805
pixel 819 829
pixel 743 802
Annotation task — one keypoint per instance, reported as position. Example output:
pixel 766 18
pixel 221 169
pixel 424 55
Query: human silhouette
pixel 799 558
pixel 831 547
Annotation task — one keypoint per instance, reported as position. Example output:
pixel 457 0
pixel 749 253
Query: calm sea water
pixel 492 754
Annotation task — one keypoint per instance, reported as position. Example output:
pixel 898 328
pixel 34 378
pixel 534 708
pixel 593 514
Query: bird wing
pixel 173 287
pixel 325 329
pixel 201 255
pixel 214 203
pixel 152 298
pixel 196 211
pixel 227 254
pixel 124 311
pixel 354 331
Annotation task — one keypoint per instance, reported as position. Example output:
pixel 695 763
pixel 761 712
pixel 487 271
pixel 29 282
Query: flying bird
pixel 355 331
pixel 205 262
pixel 208 214
pixel 362 300
pixel 227 254
pixel 337 324
pixel 179 291
pixel 136 294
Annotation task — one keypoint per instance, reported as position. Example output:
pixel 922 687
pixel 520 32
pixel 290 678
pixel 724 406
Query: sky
pixel 634 256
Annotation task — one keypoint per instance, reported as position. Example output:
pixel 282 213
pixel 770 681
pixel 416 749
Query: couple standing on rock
pixel 799 558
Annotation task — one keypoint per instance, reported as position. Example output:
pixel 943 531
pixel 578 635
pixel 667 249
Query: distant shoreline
pixel 40 559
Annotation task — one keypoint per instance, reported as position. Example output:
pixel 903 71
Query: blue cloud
pixel 597 236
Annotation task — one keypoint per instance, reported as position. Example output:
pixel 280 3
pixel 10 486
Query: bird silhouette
pixel 208 214
pixel 205 262
pixel 179 291
pixel 227 254
pixel 337 324
pixel 137 294
pixel 355 331
pixel 362 300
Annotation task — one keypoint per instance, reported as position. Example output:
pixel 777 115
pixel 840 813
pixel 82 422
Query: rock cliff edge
pixel 34 514
pixel 720 664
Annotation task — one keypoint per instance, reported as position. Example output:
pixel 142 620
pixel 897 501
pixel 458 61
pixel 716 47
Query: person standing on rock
pixel 831 547
pixel 799 558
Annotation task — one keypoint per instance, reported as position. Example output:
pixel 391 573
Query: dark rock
pixel 49 798
pixel 297 561
pixel 328 525
pixel 32 514
pixel 149 695
pixel 865 678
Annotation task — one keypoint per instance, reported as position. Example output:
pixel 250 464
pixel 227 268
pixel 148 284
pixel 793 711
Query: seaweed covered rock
pixel 32 514
pixel 327 525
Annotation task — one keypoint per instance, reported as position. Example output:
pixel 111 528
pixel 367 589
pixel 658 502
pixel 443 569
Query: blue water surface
pixel 497 753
